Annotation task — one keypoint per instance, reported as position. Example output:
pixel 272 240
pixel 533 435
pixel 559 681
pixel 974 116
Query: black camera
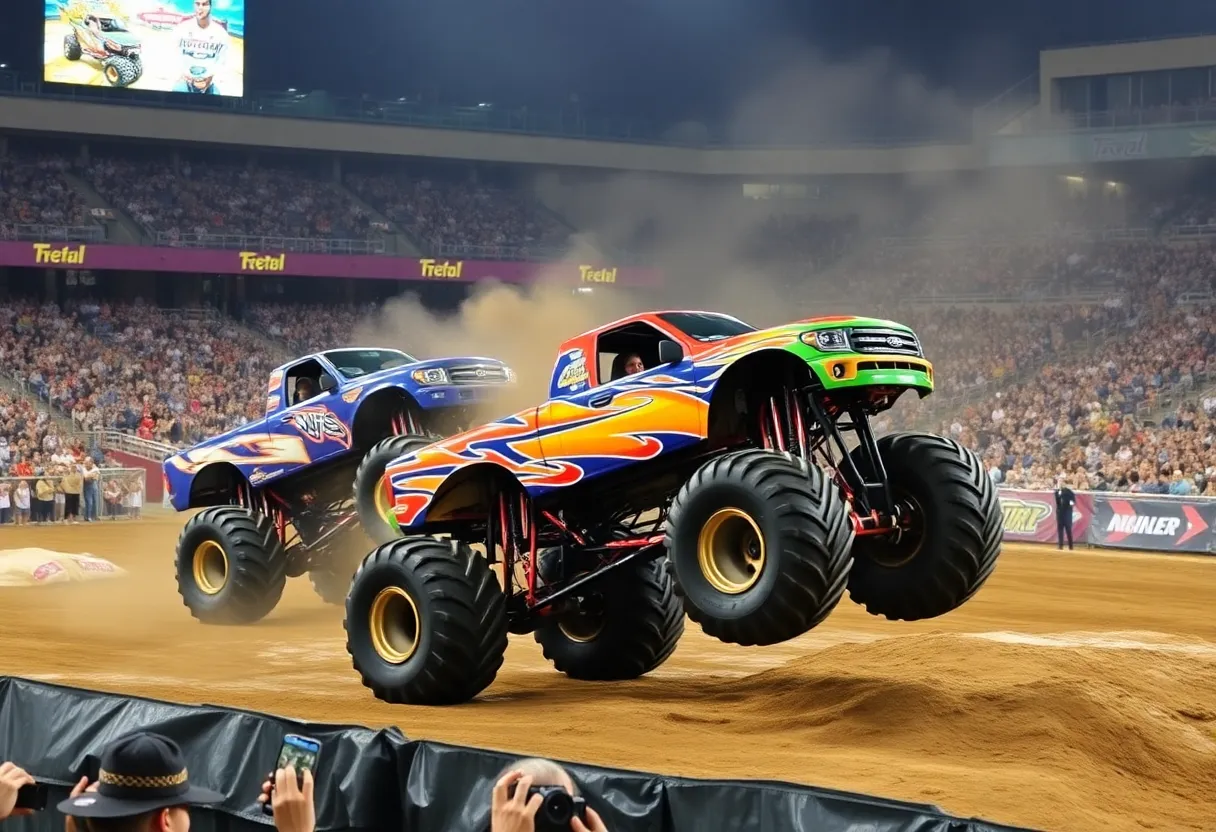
pixel 32 796
pixel 557 809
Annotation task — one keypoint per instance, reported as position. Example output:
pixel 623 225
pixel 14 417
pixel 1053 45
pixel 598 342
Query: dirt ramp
pixel 1121 730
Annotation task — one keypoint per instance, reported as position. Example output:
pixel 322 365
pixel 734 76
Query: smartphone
pixel 297 751
pixel 33 796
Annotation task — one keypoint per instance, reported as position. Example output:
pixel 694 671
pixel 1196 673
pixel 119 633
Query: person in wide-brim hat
pixel 140 773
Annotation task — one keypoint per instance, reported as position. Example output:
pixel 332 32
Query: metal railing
pixel 1196 299
pixel 504 252
pixel 1141 117
pixel 1167 396
pixel 1207 230
pixel 116 440
pixel 120 493
pixel 291 245
pixel 41 232
pixel 995 238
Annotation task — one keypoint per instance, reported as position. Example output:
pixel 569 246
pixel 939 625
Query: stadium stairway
pixel 396 240
pixel 122 229
pixel 22 389
pixel 1171 397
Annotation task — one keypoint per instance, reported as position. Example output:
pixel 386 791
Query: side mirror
pixel 327 382
pixel 670 352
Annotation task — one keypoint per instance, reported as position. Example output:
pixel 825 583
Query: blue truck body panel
pixel 294 436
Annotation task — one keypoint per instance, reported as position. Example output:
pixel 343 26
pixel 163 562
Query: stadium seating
pixel 1065 388
pixel 35 200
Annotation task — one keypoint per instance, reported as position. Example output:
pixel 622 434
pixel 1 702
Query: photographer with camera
pixel 536 795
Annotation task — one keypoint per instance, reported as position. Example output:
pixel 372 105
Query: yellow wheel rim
pixel 383 509
pixel 210 567
pixel 394 625
pixel 581 627
pixel 730 551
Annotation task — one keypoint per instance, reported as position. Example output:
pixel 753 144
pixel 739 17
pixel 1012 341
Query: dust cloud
pixel 708 239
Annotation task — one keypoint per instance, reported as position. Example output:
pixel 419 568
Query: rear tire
pixel 231 567
pixel 425 622
pixel 955 540
pixel 632 626
pixel 371 501
pixel 759 543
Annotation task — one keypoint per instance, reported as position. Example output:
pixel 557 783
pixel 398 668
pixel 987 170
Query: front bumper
pixel 436 396
pixel 837 372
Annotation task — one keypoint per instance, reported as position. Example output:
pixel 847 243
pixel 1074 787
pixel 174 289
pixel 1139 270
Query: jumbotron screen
pixel 195 47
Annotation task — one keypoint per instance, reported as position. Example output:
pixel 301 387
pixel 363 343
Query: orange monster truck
pixel 684 463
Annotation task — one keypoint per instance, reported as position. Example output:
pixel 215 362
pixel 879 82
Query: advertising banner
pixel 1153 524
pixel 1117 147
pixel 368 266
pixel 1030 516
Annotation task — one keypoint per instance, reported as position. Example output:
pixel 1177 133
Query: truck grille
pixel 478 374
pixel 885 341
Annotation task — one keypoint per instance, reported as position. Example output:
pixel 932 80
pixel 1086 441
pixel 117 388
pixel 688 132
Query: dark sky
pixel 671 59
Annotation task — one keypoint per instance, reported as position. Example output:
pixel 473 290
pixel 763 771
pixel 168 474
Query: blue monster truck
pixel 277 494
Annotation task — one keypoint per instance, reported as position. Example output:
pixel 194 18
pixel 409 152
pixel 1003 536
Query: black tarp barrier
pixel 377 780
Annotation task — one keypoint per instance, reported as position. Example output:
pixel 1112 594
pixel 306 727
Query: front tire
pixel 426 622
pixel 953 539
pixel 231 567
pixel 371 499
pixel 121 71
pixel 759 543
pixel 629 626
pixel 71 47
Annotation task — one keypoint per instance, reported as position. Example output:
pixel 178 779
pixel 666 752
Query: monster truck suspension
pixel 403 422
pixel 313 525
pixel 808 424
pixel 521 532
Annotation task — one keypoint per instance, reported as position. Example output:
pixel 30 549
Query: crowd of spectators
pixel 226 199
pixel 165 377
pixel 1100 415
pixel 33 192
pixel 462 218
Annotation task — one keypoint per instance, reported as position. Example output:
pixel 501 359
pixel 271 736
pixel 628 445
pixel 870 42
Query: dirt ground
pixel 1075 692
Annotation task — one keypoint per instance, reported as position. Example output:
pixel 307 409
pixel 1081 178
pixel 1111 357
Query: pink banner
pixel 1030 516
pixel 373 266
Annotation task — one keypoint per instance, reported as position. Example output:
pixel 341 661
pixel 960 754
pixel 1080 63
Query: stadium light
pixel 3 66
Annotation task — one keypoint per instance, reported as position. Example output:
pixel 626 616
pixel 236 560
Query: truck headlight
pixel 827 340
pixel 434 375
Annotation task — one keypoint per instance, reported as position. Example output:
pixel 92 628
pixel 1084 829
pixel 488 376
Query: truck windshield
pixel 706 326
pixel 351 363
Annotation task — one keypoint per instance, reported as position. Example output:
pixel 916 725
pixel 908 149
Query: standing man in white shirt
pixel 204 46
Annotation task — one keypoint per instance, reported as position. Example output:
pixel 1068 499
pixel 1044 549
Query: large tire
pixel 426 622
pixel 71 47
pixel 955 538
pixel 632 626
pixel 759 543
pixel 370 499
pixel 120 71
pixel 338 563
pixel 231 567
